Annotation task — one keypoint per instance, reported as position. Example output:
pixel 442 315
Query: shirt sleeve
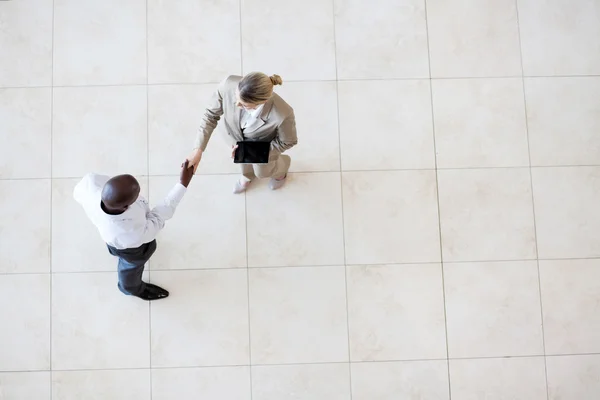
pixel 80 190
pixel 155 218
pixel 87 188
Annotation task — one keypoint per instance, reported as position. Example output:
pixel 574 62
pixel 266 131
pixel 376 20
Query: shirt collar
pixel 256 112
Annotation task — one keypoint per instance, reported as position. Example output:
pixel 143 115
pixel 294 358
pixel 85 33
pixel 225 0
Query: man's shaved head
pixel 120 192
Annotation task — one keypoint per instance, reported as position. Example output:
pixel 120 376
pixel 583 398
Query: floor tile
pixel 566 211
pixel 498 378
pixel 563 116
pixel 174 114
pixel 204 322
pixel 570 298
pixel 25 134
pixel 480 123
pixel 473 38
pixel 294 39
pixel 101 385
pixel 94 45
pixel 25 226
pixel 298 315
pixel 486 214
pixel 26 43
pixel 573 377
pixel 317 125
pixel 382 39
pixel 76 243
pixel 411 380
pixel 191 41
pixel 560 38
pixel 300 224
pixel 84 139
pixel 301 382
pixel 25 333
pixel 25 385
pixel 223 383
pixel 499 303
pixel 391 217
pixel 188 240
pixel 402 136
pixel 95 326
pixel 396 312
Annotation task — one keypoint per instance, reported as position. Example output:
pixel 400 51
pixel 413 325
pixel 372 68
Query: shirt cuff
pixel 176 194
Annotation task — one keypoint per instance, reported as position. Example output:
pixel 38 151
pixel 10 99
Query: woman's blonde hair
pixel 256 87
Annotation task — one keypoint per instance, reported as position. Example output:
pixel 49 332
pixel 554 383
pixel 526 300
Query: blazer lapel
pixel 263 117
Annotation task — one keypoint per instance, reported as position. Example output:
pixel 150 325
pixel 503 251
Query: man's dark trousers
pixel 131 266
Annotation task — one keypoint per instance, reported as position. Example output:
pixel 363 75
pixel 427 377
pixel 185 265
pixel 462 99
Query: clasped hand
pixel 186 174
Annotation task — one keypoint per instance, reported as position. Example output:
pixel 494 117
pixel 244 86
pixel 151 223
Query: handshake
pixel 189 166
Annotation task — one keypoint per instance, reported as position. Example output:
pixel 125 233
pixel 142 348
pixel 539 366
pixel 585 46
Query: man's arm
pixel 89 184
pixel 156 218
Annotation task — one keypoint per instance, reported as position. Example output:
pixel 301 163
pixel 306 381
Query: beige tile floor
pixel 439 237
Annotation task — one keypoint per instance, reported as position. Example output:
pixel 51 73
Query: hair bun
pixel 276 79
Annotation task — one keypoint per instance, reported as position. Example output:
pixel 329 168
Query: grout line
pixel 341 172
pixel 313 363
pixel 241 42
pixel 148 183
pixel 334 171
pixel 51 189
pixel 313 80
pixel 246 224
pixel 532 199
pixel 390 264
pixel 248 292
pixel 437 191
pixel 109 85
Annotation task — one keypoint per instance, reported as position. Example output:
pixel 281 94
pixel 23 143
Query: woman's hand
pixel 194 158
pixel 233 149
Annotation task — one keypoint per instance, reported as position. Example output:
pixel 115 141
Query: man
pixel 127 224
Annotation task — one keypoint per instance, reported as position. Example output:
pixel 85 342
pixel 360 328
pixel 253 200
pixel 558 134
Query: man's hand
pixel 187 173
pixel 194 158
pixel 233 149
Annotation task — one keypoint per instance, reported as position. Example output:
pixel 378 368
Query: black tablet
pixel 249 152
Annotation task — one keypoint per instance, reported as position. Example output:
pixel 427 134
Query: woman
pixel 251 112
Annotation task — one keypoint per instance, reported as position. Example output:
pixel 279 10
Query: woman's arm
pixel 211 117
pixel 209 121
pixel 286 135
